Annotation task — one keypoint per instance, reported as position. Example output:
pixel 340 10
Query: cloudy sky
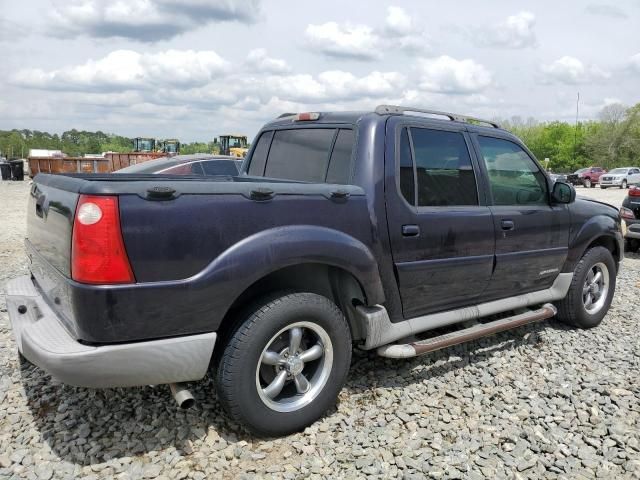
pixel 194 69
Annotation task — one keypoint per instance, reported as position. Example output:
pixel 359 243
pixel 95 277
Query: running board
pixel 461 336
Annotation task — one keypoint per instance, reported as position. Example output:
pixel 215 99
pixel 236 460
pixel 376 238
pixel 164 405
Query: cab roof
pixel 353 117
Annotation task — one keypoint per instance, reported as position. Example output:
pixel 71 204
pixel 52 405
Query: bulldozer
pixel 171 146
pixel 233 145
pixel 141 144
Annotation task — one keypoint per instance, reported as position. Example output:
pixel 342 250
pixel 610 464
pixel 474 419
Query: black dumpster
pixel 5 170
pixel 17 170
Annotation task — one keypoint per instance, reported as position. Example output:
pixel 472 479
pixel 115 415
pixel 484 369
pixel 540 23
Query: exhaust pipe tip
pixel 182 395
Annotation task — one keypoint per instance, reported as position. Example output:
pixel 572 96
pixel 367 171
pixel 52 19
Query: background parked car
pixel 630 213
pixel 621 177
pixel 586 176
pixel 558 177
pixel 197 164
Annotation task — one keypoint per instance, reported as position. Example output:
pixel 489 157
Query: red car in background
pixel 586 176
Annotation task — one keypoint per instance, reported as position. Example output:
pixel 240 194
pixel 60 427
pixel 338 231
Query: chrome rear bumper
pixel 43 340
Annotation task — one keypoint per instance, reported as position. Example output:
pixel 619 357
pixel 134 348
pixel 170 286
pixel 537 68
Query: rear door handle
pixel 410 230
pixel 507 225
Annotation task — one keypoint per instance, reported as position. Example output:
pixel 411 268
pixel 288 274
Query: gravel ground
pixel 540 401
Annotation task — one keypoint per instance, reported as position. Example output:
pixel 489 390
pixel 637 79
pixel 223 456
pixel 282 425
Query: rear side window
pixel 305 154
pixel 444 173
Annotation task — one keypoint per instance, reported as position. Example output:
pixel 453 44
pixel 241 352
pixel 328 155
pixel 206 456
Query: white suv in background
pixel 620 177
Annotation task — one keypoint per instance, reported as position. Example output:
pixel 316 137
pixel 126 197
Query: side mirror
pixel 563 193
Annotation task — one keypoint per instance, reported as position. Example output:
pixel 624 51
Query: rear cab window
pixel 319 154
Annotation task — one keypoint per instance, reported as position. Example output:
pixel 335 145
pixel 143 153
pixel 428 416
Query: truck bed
pixel 183 250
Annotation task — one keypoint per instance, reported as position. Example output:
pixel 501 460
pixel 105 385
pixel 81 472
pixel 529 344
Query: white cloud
pixel 127 69
pixel 259 61
pixel 144 20
pixel 572 71
pixel 517 31
pixel 362 42
pixel 348 41
pixel 448 75
pixel 403 33
pixel 634 63
pixel 398 21
pixel 333 86
pixel 203 79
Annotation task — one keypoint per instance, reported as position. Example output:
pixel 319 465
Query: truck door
pixel 441 231
pixel 532 235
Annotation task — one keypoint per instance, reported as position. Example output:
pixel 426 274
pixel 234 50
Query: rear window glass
pixel 300 154
pixel 305 154
pixel 220 167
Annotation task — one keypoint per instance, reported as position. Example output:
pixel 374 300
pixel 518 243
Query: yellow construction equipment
pixel 234 145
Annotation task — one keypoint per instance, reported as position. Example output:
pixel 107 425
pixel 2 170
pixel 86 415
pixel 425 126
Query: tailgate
pixel 50 224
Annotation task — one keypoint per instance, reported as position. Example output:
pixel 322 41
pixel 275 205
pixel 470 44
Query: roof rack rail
pixel 287 114
pixel 454 117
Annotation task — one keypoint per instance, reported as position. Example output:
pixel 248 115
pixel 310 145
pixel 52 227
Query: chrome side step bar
pixel 481 330
pixel 380 330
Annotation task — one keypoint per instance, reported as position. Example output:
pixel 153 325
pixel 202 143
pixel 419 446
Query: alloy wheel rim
pixel 595 288
pixel 294 366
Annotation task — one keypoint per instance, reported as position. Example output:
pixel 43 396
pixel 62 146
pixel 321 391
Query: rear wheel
pixel 631 244
pixel 284 366
pixel 591 291
pixel 603 187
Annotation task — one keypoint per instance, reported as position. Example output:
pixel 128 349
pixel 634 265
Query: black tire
pixel 631 244
pixel 603 187
pixel 240 367
pixel 571 309
pixel 623 184
pixel 587 183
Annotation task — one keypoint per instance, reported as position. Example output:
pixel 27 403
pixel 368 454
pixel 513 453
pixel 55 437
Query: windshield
pixel 618 171
pixel 237 142
pixel 581 170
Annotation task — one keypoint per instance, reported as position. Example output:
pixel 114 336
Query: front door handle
pixel 410 230
pixel 507 225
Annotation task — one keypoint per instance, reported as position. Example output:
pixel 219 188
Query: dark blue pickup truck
pixel 401 230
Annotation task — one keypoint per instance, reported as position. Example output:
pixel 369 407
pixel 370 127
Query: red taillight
pixel 634 192
pixel 97 249
pixel 627 213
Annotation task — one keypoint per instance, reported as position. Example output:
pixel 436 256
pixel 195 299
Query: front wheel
pixel 587 183
pixel 591 291
pixel 623 184
pixel 603 187
pixel 284 366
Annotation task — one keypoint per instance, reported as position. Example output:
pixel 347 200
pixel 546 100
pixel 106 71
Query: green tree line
pixel 613 140
pixel 75 143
